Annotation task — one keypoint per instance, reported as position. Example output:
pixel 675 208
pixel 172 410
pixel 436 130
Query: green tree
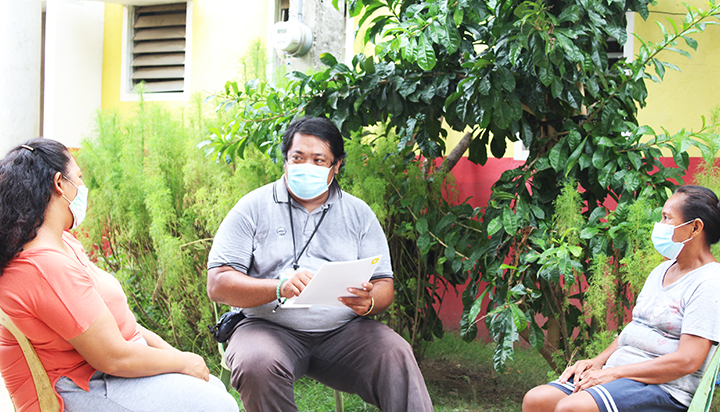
pixel 535 71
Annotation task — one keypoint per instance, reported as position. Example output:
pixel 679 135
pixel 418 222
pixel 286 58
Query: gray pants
pixel 364 357
pixel 169 392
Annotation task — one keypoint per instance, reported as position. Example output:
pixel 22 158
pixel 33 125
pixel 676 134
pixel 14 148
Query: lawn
pixel 459 376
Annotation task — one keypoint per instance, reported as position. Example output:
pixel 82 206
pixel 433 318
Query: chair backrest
pixel 704 394
pixel 46 395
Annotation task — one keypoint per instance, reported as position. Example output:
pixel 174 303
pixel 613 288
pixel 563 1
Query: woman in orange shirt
pixel 76 315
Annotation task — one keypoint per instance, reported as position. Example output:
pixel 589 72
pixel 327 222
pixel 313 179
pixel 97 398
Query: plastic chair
pixel 703 396
pixel 46 395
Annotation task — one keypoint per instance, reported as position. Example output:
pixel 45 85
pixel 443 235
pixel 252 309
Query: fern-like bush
pixel 155 203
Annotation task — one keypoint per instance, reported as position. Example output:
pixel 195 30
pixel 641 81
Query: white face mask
pixel 78 206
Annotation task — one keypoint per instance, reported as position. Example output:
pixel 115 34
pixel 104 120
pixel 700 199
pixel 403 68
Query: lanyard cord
pixel 292 230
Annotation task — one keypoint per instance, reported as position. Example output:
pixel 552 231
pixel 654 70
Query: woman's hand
pixel 579 370
pixel 588 379
pixel 195 366
pixel 362 303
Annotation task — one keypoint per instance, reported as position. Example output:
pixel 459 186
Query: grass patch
pixel 459 376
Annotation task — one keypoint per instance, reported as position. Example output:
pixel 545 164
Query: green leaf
pixel 518 317
pixel 537 337
pixel 556 87
pixel 458 16
pixel 476 307
pixel 632 181
pixel 422 225
pixel 555 157
pixel 635 160
pixel 494 226
pixel 571 14
pixel 453 36
pixel 328 59
pixel 498 146
pixel 546 75
pixel 424 243
pixel 537 211
pixel 425 54
pixel 509 220
pixel 507 79
pixel 692 43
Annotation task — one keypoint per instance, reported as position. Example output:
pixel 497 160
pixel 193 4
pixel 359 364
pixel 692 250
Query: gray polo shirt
pixel 256 239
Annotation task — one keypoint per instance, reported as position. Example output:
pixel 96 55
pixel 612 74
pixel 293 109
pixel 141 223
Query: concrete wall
pixel 328 26
pixel 73 69
pixel 20 48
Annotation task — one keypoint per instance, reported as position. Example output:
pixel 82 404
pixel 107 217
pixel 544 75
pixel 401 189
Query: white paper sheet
pixel 332 281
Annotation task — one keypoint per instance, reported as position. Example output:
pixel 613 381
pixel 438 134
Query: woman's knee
pixel 542 398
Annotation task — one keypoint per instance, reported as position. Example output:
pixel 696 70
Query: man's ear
pixel 336 167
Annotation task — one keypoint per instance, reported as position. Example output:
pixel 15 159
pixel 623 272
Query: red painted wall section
pixel 474 182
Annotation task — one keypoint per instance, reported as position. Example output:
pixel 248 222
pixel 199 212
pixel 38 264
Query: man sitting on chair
pixel 268 248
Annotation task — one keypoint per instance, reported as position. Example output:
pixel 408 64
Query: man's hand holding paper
pixel 334 284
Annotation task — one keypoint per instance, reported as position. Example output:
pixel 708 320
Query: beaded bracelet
pixel 279 286
pixel 372 305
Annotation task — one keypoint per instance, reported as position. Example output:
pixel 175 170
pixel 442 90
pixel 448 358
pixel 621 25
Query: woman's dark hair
pixel 702 203
pixel 26 183
pixel 319 127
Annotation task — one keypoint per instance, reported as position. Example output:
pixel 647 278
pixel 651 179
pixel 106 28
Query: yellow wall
pixel 681 98
pixel 221 32
pixel 112 52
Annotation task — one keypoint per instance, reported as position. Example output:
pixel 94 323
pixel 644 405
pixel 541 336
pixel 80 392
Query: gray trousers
pixel 364 357
pixel 171 392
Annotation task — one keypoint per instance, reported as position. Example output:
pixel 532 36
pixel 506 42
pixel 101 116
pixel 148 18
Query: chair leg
pixel 225 378
pixel 339 402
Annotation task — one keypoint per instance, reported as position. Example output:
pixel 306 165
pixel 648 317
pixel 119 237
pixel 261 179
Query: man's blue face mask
pixel 307 181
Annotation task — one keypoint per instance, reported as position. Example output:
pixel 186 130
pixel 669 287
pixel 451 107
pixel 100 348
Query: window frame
pixel 127 94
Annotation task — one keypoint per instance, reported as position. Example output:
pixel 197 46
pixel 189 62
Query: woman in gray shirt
pixel 658 360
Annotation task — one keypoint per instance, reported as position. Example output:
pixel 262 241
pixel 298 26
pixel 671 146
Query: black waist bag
pixel 223 328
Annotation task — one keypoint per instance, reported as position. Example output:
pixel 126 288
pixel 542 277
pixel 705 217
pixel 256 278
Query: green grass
pixel 459 376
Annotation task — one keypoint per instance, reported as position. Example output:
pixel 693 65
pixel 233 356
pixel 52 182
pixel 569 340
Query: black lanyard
pixel 292 230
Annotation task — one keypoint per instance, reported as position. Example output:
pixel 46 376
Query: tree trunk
pixel 456 153
pixel 546 351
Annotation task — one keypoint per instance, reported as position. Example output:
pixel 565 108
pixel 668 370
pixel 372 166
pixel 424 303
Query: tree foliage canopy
pixel 499 71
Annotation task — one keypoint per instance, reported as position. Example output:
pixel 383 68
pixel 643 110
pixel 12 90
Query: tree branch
pixel 456 154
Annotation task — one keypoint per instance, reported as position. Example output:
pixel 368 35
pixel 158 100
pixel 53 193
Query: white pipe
pixel 299 15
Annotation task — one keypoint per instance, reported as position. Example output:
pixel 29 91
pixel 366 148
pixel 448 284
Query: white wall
pixel 20 48
pixel 73 68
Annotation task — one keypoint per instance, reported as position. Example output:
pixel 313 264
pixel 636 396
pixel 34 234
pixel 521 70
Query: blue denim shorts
pixel 625 395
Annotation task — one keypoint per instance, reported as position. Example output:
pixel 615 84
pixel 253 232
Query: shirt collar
pixel 282 195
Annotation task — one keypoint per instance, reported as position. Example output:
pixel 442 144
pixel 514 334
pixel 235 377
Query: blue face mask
pixel 662 235
pixel 307 181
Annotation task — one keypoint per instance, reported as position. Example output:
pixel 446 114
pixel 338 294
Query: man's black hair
pixel 320 127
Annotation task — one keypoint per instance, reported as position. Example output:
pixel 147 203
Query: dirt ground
pixel 473 383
